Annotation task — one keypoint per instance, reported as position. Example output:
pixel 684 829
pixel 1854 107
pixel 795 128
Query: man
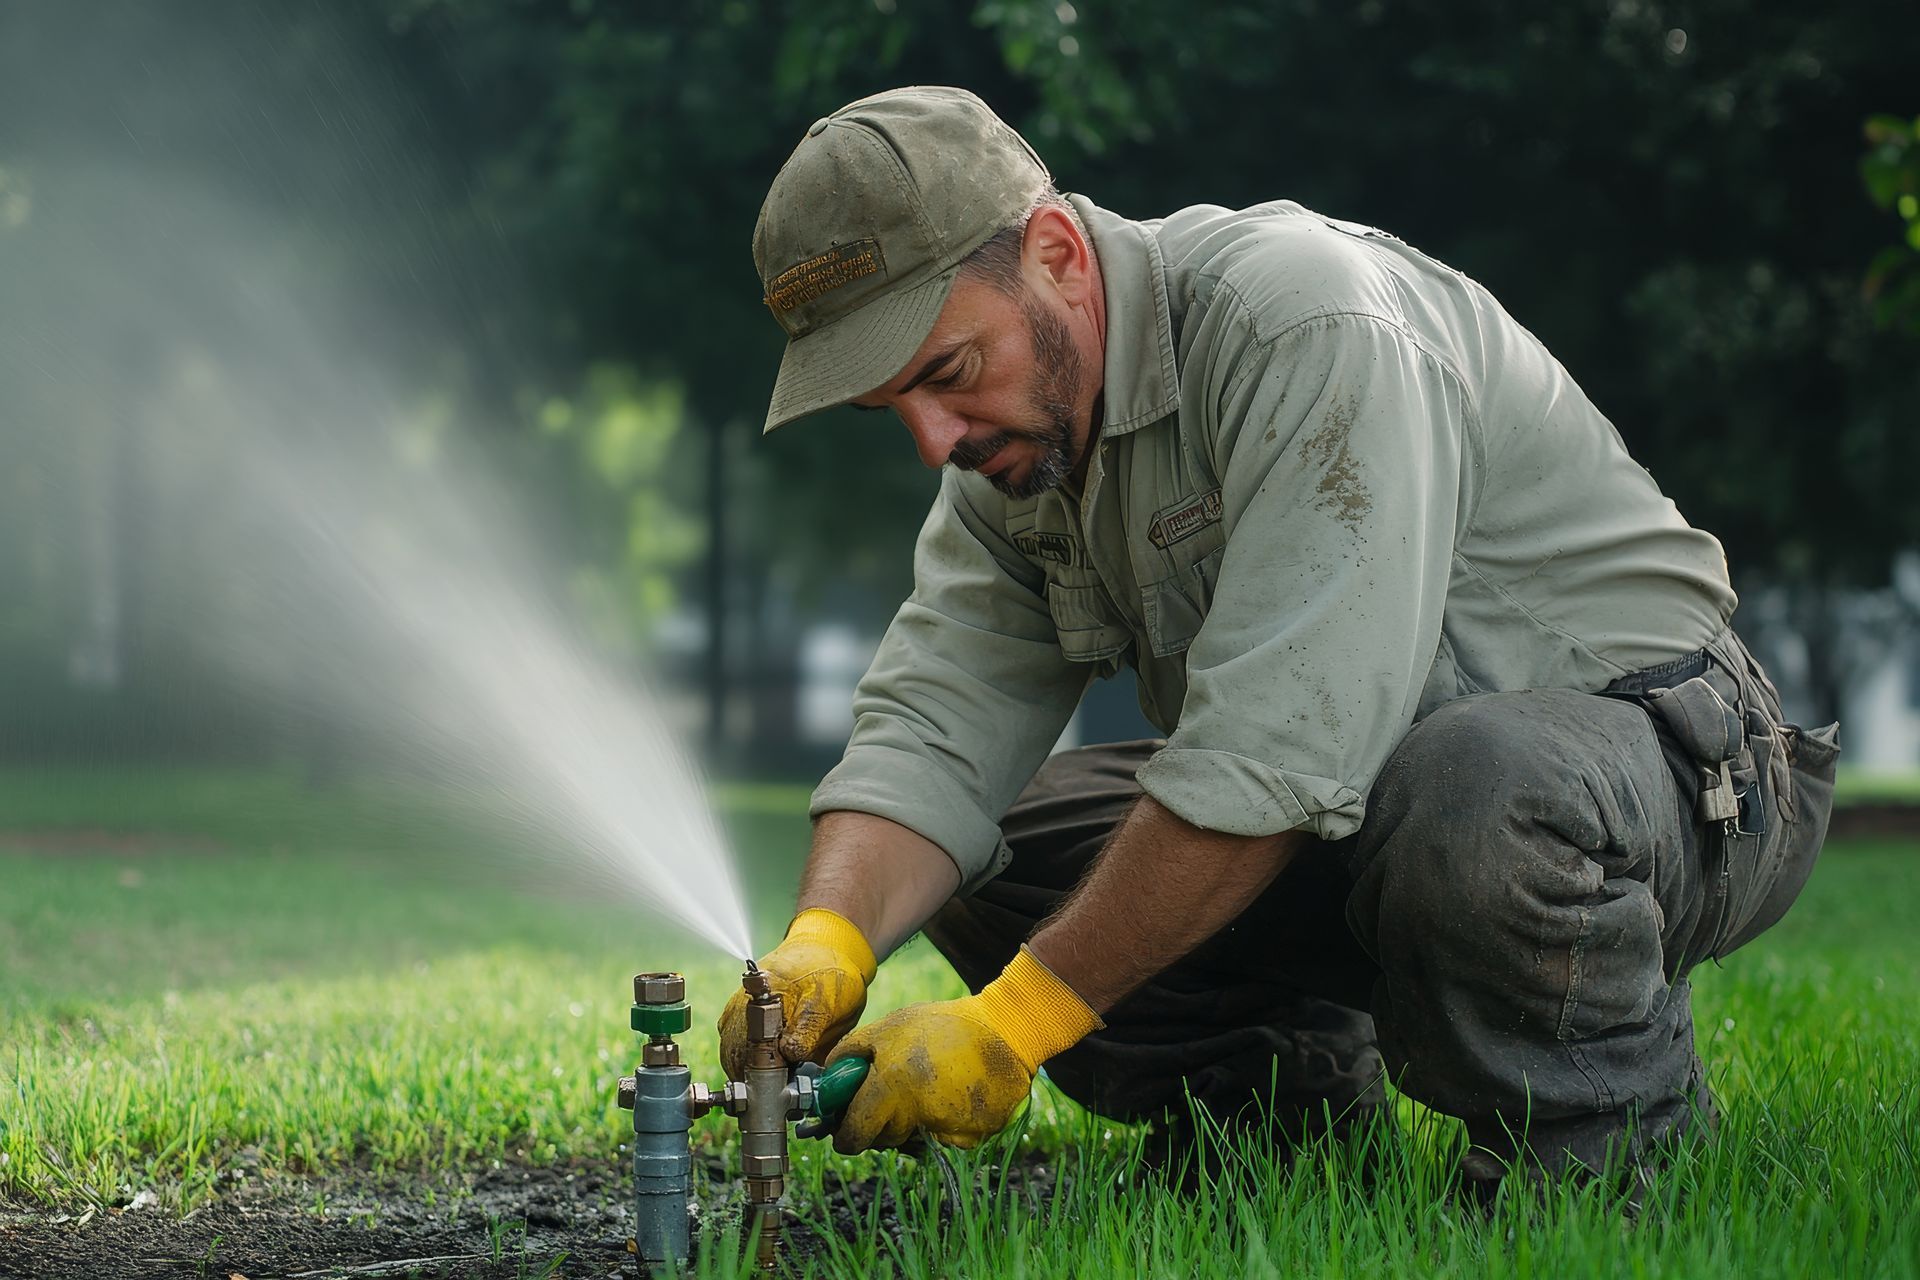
pixel 1464 769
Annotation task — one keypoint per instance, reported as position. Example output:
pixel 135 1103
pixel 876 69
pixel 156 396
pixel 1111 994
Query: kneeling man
pixel 1464 768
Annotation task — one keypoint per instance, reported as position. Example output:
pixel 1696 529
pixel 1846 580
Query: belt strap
pixel 1665 676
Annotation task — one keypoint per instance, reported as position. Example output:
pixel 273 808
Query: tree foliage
pixel 1660 190
pixel 1891 168
pixel 1665 191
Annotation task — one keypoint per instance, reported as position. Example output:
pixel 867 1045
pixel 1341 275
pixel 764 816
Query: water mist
pixel 318 541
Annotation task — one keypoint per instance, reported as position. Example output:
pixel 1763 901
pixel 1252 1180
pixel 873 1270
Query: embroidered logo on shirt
pixel 805 281
pixel 1174 523
pixel 1057 547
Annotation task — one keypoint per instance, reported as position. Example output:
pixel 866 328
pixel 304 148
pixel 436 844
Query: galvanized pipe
pixel 662 1162
pixel 665 1103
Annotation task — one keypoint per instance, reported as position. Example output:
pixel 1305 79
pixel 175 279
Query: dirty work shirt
pixel 1335 487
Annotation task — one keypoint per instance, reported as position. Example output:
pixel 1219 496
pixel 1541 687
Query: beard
pixel 1058 376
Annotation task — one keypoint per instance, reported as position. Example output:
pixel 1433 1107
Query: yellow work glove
pixel 959 1069
pixel 820 972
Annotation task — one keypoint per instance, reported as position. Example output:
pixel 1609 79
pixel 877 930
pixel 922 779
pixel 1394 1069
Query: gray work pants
pixel 1507 937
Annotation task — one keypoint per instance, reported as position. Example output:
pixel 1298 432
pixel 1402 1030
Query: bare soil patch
pixel 1875 820
pixel 82 842
pixel 509 1221
pixel 512 1221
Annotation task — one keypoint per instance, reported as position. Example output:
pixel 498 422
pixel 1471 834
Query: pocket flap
pixel 1087 629
pixel 1174 607
pixel 1700 719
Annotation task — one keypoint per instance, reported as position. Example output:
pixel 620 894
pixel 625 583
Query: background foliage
pixel 1892 171
pixel 542 213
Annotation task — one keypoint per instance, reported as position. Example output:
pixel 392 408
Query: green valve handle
pixel 835 1086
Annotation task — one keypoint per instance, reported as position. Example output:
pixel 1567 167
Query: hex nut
pixel 660 1053
pixel 659 988
pixel 626 1092
pixel 734 1099
pixel 764 1020
pixel 800 1096
pixel 701 1100
pixel 763 1166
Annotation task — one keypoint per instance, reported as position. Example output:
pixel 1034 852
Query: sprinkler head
pixel 757 985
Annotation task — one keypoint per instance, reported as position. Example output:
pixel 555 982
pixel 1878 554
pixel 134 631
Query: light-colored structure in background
pixel 1881 720
pixel 1879 635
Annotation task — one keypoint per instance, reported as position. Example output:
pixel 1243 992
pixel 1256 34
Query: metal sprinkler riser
pixel 665 1102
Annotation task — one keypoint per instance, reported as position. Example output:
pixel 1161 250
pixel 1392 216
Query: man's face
pixel 1000 387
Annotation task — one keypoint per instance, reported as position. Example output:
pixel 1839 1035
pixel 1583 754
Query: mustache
pixel 1051 467
pixel 970 454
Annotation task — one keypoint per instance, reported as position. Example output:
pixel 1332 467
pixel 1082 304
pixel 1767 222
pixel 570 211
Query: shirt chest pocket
pixel 1088 626
pixel 1174 607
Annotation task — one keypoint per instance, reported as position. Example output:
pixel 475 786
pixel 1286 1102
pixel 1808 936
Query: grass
pixel 333 981
pixel 1866 786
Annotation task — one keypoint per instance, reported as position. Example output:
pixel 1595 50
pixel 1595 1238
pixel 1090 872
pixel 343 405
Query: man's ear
pixel 1057 254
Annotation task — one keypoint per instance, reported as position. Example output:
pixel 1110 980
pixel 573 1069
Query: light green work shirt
pixel 1335 486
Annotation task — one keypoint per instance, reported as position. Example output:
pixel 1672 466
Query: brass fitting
pixel 659 988
pixel 763 1118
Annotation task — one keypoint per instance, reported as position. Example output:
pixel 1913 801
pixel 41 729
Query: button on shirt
pixel 1335 486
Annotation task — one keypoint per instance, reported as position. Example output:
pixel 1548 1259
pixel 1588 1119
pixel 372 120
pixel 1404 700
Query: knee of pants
pixel 1538 793
pixel 1506 843
pixel 1444 814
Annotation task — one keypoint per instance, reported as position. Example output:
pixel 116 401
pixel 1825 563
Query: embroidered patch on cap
pixel 1175 523
pixel 805 281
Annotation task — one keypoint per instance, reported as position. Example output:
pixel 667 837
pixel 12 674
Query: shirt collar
pixel 1142 380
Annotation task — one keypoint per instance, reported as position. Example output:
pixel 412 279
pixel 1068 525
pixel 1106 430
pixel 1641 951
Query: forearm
pixel 1160 888
pixel 885 878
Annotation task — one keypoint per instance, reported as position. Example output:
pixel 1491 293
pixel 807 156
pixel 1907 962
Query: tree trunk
pixel 716 666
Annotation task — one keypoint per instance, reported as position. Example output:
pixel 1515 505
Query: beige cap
pixel 864 230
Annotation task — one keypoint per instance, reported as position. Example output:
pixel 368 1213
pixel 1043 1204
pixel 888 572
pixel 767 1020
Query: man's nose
pixel 934 430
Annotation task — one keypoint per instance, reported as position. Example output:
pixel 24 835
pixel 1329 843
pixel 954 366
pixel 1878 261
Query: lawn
pixel 207 974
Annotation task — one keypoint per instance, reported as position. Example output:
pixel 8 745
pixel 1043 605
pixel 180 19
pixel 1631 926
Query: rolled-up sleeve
pixel 966 695
pixel 1340 448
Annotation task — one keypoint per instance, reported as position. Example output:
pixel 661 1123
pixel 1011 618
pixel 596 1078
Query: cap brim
pixel 860 351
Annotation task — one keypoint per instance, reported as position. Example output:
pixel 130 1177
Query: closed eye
pixel 948 380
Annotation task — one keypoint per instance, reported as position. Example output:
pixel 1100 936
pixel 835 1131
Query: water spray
pixel 665 1101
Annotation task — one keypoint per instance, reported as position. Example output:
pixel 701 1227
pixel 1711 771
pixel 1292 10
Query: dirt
pixel 510 1221
pixel 1876 820
pixel 84 842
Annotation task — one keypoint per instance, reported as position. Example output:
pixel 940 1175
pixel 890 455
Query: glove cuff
pixel 838 934
pixel 1036 1013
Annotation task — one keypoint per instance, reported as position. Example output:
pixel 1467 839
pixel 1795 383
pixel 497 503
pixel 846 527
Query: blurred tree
pixel 1657 188
pixel 1892 172
pixel 628 435
pixel 1663 190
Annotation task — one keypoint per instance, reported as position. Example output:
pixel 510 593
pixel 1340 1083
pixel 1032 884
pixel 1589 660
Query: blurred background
pixel 464 287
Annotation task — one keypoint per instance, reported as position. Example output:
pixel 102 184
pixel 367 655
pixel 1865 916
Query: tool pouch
pixel 1711 736
pixel 1762 788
